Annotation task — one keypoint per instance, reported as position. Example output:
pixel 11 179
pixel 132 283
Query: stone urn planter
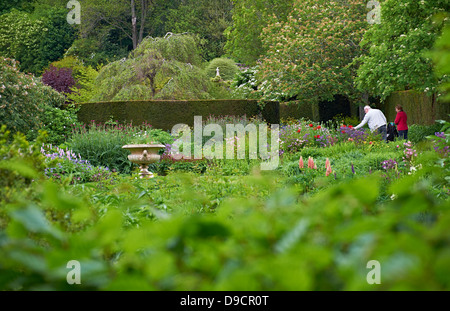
pixel 143 155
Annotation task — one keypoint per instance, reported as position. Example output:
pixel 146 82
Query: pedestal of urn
pixel 143 155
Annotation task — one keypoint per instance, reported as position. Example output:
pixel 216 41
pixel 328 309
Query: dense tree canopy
pixel 441 58
pixel 395 59
pixel 309 56
pixel 35 39
pixel 249 18
pixel 207 18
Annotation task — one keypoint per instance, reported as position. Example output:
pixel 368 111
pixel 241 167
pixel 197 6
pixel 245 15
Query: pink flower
pixel 300 163
pixel 311 163
pixel 328 168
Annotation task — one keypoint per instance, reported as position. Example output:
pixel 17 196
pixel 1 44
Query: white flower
pixel 393 197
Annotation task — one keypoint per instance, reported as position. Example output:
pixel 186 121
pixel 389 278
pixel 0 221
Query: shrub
pixel 227 68
pixel 22 97
pixel 60 79
pixel 83 90
pixel 20 164
pixel 296 135
pixel 417 133
pixel 58 123
pixel 102 146
pixel 245 85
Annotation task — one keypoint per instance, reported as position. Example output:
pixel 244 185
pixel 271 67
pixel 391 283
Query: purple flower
pixel 440 134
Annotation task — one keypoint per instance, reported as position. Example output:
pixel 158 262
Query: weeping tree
pixel 160 68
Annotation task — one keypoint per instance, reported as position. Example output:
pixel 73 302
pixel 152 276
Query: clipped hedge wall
pixel 298 110
pixel 164 114
pixel 420 108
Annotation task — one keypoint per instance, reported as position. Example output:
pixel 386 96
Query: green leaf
pixel 33 220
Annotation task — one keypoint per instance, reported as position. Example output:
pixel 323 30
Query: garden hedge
pixel 298 110
pixel 421 108
pixel 164 114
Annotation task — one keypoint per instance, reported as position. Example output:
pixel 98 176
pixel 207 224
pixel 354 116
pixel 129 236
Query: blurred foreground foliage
pixel 190 232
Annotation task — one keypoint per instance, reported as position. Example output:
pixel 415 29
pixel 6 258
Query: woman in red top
pixel 400 121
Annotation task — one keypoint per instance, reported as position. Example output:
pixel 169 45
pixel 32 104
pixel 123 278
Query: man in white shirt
pixel 376 121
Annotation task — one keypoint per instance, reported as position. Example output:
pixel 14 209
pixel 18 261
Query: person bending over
pixel 375 120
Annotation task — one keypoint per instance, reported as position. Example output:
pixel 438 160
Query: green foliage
pixel 147 136
pixel 309 56
pixel 244 84
pixel 97 52
pixel 20 164
pixel 35 40
pixel 227 68
pixel 20 37
pixel 58 123
pixel 22 98
pixel 22 5
pixel 244 37
pixel 160 68
pixel 440 55
pixel 207 18
pixel 258 229
pixel 102 145
pixel 159 233
pixel 67 167
pixel 417 133
pixel 177 47
pixel 396 47
pixel 84 76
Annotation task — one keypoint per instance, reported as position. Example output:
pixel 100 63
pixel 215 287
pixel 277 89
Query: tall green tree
pixel 244 41
pixel 127 16
pixel 21 5
pixel 207 18
pixel 395 60
pixel 441 57
pixel 35 39
pixel 309 56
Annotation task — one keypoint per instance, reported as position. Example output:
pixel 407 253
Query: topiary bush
pixel 227 68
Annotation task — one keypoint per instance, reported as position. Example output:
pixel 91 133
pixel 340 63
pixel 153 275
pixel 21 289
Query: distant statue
pixel 217 72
